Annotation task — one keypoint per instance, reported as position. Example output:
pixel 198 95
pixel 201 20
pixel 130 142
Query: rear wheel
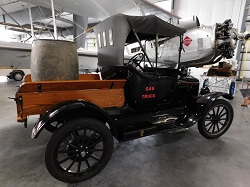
pixel 216 120
pixel 18 76
pixel 79 150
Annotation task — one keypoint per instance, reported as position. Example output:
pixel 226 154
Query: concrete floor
pixel 184 159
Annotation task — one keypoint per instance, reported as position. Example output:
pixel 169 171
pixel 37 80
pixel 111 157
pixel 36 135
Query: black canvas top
pixel 148 26
pixel 114 32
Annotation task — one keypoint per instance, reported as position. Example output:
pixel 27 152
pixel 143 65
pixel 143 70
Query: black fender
pixel 70 110
pixel 200 105
pixel 17 71
pixel 210 97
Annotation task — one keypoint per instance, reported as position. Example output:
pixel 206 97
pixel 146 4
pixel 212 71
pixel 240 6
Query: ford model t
pixel 132 99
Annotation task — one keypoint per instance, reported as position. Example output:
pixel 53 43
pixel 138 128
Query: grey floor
pixel 184 159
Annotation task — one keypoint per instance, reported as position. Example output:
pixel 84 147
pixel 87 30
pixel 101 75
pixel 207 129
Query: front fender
pixel 210 97
pixel 64 109
pixel 200 105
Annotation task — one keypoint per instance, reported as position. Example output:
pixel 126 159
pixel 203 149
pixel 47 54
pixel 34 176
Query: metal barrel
pixel 53 60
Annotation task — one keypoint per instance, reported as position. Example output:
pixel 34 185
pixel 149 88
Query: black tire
pixel 216 120
pixel 81 150
pixel 18 76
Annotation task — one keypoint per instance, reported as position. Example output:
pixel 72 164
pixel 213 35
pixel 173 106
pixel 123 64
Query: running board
pixel 142 130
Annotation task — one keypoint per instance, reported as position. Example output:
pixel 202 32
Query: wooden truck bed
pixel 34 98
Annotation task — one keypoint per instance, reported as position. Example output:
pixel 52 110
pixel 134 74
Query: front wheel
pixel 79 150
pixel 216 120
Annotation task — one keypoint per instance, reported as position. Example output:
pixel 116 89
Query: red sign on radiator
pixel 187 41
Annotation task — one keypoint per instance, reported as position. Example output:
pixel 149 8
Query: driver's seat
pixel 145 89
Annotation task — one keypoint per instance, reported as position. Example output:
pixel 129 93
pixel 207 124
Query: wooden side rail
pixel 48 86
pixel 38 103
pixel 89 77
pixel 27 77
pixel 37 97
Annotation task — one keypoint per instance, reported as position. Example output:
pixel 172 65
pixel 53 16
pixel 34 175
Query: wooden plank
pixel 38 103
pixel 48 86
pixel 21 119
pixel 27 78
pixel 246 102
pixel 89 77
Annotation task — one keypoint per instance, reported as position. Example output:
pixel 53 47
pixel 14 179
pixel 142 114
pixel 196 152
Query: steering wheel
pixel 136 60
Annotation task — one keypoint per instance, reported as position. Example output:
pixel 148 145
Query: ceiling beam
pixel 9 3
pixel 15 21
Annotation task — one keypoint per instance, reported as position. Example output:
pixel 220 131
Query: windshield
pixel 168 51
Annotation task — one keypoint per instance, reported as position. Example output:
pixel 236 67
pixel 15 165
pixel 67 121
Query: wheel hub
pixel 81 152
pixel 18 76
pixel 215 119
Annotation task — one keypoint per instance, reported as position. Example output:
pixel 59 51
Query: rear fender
pixel 71 110
pixel 201 103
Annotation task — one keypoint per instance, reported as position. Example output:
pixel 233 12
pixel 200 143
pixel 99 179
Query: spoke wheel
pixel 216 120
pixel 79 150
